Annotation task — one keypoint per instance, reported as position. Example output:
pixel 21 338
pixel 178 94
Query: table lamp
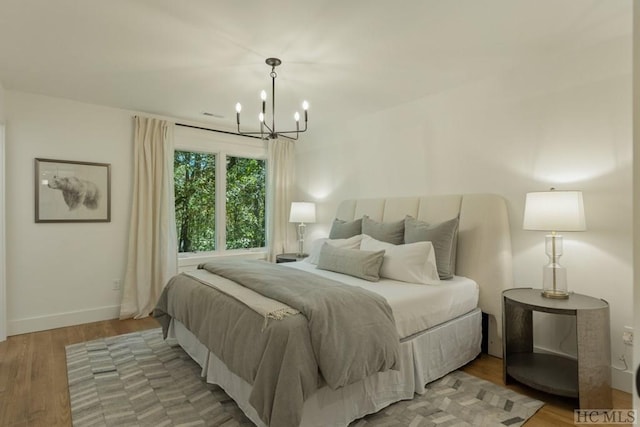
pixel 554 211
pixel 302 212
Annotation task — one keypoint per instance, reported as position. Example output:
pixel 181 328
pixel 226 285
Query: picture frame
pixel 72 191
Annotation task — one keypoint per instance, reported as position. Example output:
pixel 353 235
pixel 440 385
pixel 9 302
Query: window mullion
pixel 221 202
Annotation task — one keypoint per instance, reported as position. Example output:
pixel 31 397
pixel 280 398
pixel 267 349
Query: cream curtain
pixel 280 187
pixel 153 254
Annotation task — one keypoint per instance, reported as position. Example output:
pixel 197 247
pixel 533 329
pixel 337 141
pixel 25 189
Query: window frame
pixel 220 145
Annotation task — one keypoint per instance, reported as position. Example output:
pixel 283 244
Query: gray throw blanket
pixel 353 331
pixel 280 361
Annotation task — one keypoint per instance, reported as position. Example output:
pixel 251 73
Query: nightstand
pixel 291 257
pixel 587 378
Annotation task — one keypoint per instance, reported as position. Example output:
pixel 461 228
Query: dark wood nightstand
pixel 587 378
pixel 290 257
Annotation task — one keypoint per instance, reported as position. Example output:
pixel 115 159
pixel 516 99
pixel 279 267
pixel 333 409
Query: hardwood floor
pixel 557 411
pixel 33 372
pixel 33 377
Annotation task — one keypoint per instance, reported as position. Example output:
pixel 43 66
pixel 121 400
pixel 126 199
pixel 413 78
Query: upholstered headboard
pixel 484 241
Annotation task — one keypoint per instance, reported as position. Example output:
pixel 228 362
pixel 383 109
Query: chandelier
pixel 266 131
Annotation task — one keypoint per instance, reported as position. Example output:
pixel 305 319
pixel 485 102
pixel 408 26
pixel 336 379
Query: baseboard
pixel 494 340
pixel 620 380
pixel 60 320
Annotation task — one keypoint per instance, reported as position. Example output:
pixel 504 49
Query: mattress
pixel 416 307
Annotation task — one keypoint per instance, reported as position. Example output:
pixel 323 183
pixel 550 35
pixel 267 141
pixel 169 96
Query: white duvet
pixel 416 307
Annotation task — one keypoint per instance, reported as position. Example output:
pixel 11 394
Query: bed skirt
pixel 425 357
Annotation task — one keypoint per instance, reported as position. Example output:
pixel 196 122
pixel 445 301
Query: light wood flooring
pixel 33 377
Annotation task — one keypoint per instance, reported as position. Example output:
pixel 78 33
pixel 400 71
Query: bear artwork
pixel 76 191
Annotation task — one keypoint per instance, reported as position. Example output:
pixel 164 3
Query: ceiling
pixel 180 59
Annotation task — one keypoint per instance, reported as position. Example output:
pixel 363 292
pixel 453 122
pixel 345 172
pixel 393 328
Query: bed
pixel 439 325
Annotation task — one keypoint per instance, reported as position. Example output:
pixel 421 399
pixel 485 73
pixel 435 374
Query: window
pixel 195 196
pixel 245 204
pixel 220 195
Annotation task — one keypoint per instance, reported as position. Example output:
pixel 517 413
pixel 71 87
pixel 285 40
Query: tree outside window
pixel 245 205
pixel 195 190
pixel 195 201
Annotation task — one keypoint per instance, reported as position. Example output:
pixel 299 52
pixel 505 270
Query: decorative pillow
pixel 390 232
pixel 354 262
pixel 341 229
pixel 316 246
pixel 413 262
pixel 443 236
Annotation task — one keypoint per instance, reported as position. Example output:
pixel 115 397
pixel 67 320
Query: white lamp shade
pixel 303 212
pixel 554 211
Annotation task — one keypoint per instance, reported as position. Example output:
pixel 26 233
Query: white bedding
pixel 415 307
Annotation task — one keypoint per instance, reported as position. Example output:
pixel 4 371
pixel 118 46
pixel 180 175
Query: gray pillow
pixel 354 262
pixel 443 237
pixel 390 232
pixel 341 229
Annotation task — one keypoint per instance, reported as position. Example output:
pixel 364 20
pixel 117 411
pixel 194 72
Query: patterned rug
pixel 139 380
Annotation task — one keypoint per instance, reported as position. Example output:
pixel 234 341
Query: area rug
pixel 138 379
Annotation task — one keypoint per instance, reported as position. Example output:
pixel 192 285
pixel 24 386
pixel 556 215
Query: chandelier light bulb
pixel 263 95
pixel 296 116
pixel 261 117
pixel 305 105
pixel 238 107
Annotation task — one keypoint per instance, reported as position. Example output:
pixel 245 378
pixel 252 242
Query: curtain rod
pixel 216 130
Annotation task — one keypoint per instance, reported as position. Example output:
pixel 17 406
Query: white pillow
pixel 316 246
pixel 413 262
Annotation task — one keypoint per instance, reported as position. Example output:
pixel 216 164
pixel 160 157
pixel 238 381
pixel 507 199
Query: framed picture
pixel 68 191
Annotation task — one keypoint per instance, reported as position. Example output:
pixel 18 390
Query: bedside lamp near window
pixel 554 211
pixel 302 212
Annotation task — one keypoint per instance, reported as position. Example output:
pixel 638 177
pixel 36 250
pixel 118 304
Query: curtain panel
pixel 152 252
pixel 280 187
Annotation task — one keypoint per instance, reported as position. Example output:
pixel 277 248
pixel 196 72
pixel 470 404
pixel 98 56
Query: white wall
pixel 562 121
pixel 62 274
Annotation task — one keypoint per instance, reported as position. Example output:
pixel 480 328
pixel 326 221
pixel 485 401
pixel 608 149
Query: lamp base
pixel 554 275
pixel 555 294
pixel 301 228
